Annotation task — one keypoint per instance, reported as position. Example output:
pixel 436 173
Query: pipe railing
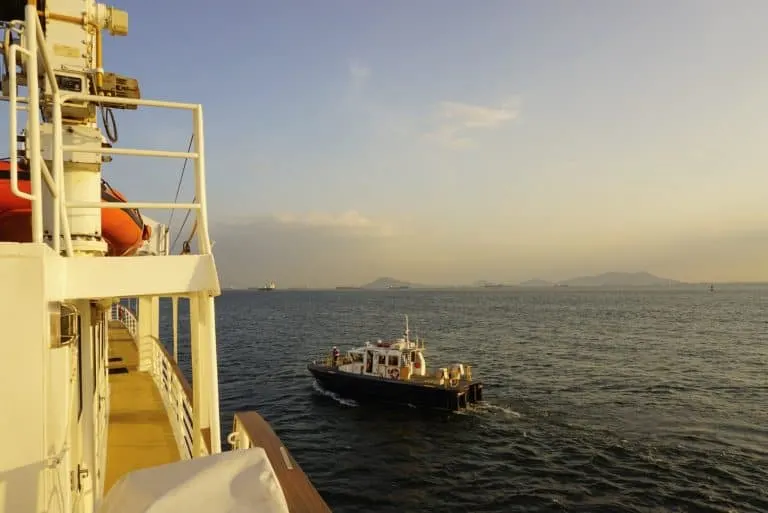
pixel 30 49
pixel 175 391
pixel 177 397
pixel 120 312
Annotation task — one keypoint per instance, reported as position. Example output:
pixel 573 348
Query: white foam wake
pixel 336 397
pixel 486 407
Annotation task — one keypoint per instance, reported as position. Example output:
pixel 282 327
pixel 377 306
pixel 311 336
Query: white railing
pixel 28 51
pixel 248 431
pixel 158 243
pixel 120 312
pixel 31 49
pixel 177 398
pixel 170 382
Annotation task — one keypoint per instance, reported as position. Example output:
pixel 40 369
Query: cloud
pixel 448 135
pixel 455 120
pixel 328 249
pixel 359 74
pixel 317 249
pixel 380 120
pixel 472 116
pixel 350 222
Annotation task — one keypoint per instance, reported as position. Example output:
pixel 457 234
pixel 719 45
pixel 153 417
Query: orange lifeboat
pixel 122 228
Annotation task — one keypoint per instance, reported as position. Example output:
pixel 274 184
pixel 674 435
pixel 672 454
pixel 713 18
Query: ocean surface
pixel 597 400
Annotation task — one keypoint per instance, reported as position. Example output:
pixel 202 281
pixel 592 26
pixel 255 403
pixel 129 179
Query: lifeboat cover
pixel 233 481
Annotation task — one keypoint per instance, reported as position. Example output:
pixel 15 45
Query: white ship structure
pixel 97 414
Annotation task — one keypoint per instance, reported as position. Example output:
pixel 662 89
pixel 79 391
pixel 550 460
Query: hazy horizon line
pixel 677 284
pixel 482 283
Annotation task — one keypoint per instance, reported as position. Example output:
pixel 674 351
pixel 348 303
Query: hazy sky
pixel 450 141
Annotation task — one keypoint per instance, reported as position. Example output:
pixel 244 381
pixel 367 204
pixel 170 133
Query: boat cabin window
pixel 382 359
pixel 357 357
pixel 393 359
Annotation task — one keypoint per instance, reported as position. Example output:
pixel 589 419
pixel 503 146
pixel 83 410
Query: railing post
pixel 203 241
pixel 148 330
pixel 58 178
pixel 199 392
pixel 175 303
pixel 13 122
pixel 209 317
pixel 177 406
pixel 33 122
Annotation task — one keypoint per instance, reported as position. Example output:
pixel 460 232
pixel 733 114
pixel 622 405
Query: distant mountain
pixel 537 283
pixel 389 283
pixel 616 279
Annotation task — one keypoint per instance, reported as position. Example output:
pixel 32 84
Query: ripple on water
pixel 597 401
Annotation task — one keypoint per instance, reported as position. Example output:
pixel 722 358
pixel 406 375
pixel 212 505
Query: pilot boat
pixel 98 416
pixel 396 372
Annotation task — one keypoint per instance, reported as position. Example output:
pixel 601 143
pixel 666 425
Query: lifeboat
pixel 122 228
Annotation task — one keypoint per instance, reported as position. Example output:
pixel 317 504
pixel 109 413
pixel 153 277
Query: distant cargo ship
pixel 270 286
pixel 398 287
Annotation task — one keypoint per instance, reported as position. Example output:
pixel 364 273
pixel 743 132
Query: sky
pixel 447 141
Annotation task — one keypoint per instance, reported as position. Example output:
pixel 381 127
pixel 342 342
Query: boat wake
pixel 336 397
pixel 488 408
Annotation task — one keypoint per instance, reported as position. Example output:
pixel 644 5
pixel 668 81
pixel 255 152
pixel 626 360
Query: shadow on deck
pixel 140 434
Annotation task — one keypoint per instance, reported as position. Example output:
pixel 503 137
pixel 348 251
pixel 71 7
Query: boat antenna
pixel 407 331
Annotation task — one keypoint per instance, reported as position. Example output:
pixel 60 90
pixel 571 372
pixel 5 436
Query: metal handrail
pixel 170 382
pixel 120 312
pixel 39 172
pixel 177 399
pixel 327 360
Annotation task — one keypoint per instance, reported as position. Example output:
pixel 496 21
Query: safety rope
pixel 185 246
pixel 183 223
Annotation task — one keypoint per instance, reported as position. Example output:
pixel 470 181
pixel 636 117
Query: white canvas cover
pixel 230 482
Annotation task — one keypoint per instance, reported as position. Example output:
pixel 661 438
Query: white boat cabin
pixel 402 359
pixel 399 359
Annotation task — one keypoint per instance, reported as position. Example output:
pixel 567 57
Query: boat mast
pixel 407 331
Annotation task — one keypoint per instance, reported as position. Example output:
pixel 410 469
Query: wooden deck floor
pixel 140 434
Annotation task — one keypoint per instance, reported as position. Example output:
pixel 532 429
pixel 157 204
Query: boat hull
pixel 412 393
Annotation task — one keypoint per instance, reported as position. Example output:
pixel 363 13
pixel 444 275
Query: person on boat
pixel 335 354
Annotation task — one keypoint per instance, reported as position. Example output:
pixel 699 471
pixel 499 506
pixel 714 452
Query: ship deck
pixel 140 434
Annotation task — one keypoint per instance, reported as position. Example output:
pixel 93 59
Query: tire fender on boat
pixel 394 373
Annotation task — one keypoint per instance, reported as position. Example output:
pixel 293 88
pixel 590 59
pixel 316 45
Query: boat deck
pixel 461 384
pixel 140 434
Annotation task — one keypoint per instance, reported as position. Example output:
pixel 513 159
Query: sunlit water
pixel 596 400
